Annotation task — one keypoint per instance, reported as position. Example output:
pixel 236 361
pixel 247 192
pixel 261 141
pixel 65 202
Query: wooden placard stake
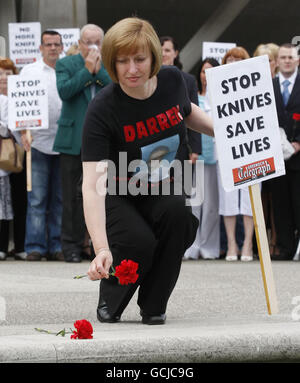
pixel 28 163
pixel 263 249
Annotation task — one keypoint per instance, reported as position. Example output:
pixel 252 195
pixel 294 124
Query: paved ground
pixel 217 313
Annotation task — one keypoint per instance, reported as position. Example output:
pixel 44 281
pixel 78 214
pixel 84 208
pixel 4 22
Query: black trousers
pixel 19 204
pixel 153 231
pixel 73 226
pixel 285 192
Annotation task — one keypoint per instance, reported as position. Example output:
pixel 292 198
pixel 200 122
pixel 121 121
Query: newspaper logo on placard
pixel 28 124
pixel 253 171
pixel 25 61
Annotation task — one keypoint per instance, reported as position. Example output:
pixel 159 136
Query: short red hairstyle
pixel 237 52
pixel 7 63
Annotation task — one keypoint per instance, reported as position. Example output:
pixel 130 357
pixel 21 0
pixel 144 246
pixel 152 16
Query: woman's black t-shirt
pixel 120 128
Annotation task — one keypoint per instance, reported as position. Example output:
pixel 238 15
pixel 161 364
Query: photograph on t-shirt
pixel 158 157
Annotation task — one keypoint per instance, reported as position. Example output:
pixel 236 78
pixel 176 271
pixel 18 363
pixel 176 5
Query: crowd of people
pixel 49 223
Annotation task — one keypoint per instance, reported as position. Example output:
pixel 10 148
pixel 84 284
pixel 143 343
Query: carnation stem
pixel 85 275
pixel 46 331
pixel 62 332
pixel 80 276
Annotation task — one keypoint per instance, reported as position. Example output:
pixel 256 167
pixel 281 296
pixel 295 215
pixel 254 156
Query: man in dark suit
pixel 170 56
pixel 286 189
pixel 194 138
pixel 79 78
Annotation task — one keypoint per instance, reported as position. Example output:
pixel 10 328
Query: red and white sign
pixel 216 50
pixel 24 42
pixel 245 122
pixel 27 102
pixel 69 36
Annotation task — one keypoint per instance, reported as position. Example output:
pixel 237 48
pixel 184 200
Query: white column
pixel 55 13
pixel 210 31
pixel 7 15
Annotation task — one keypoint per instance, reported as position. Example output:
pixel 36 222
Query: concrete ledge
pixel 272 342
pixel 217 313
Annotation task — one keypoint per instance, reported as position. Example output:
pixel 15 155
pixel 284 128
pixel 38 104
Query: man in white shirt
pixel 79 78
pixel 44 208
pixel 285 189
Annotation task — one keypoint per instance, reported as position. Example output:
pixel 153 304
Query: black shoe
pixel 103 315
pixel 34 256
pixel 281 257
pixel 57 256
pixel 73 257
pixel 153 319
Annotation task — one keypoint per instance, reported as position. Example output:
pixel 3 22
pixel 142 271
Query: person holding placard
pixel 285 189
pixel 44 208
pixel 207 241
pixel 79 78
pixel 17 181
pixel 236 202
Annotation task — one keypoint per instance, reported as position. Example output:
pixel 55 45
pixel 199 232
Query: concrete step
pixel 216 313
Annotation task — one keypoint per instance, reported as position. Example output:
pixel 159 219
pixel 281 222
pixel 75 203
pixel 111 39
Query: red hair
pixel 7 63
pixel 237 52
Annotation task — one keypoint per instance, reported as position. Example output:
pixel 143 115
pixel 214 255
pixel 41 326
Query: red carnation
pixel 296 116
pixel 126 272
pixel 84 330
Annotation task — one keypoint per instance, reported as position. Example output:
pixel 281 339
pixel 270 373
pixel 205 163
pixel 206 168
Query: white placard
pixel 24 42
pixel 245 122
pixel 70 36
pixel 216 50
pixel 27 102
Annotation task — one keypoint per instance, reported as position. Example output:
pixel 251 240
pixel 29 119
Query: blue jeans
pixel 44 205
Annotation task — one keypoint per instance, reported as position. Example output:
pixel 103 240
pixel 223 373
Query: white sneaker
pixel 246 258
pixel 2 255
pixel 21 256
pixel 231 258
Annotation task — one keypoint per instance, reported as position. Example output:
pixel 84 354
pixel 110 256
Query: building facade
pixel 244 22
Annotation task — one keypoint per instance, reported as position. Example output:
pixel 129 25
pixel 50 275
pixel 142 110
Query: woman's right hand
pixel 99 267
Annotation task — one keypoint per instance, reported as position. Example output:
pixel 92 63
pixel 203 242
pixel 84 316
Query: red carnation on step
pixel 83 327
pixel 84 330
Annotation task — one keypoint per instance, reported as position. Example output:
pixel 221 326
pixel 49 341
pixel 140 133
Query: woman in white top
pixel 207 241
pixel 236 202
